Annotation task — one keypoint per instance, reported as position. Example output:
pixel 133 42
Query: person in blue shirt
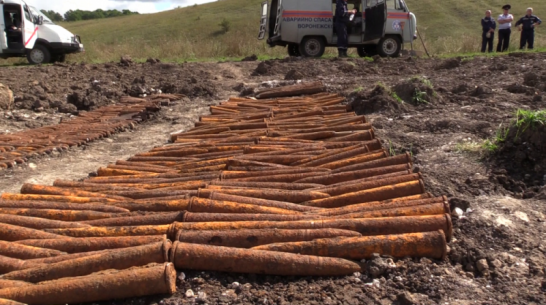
pixel 488 32
pixel 528 24
pixel 342 17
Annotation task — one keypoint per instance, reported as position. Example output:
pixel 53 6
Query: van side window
pixel 27 15
pixel 392 4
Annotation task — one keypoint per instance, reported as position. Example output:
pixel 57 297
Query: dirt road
pixel 451 106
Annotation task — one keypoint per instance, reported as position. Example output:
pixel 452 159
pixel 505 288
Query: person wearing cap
pixel 488 32
pixel 505 28
pixel 528 24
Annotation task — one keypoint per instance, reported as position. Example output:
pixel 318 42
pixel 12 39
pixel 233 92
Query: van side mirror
pixel 40 20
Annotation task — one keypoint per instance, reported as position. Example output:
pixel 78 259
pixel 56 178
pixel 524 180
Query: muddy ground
pixel 498 255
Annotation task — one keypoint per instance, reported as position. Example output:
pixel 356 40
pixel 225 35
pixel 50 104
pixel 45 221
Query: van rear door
pixel 376 19
pixel 263 20
pixel 30 29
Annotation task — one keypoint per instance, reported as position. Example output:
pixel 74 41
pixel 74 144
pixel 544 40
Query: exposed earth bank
pixel 440 111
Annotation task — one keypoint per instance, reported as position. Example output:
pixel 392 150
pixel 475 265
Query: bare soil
pixel 498 255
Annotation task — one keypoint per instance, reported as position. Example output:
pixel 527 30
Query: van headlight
pixel 76 39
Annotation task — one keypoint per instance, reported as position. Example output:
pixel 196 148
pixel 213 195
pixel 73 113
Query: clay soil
pixel 498 254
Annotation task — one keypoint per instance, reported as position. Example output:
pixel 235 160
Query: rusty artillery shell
pixel 8 264
pixel 272 194
pixel 426 209
pixel 368 157
pixel 10 302
pixel 375 194
pixel 333 178
pixel 215 206
pixel 337 154
pixel 422 199
pixel 153 219
pixel 261 202
pixel 20 251
pixel 425 244
pixel 336 190
pixel 226 175
pixel 212 217
pixel 396 160
pixel 251 238
pixel 271 185
pixel 216 258
pixel 62 215
pixel 9 284
pixel 13 233
pixel 156 205
pixel 367 179
pixel 111 231
pixel 112 259
pixel 60 206
pixel 57 198
pixel 365 226
pixel 134 282
pixel 62 258
pixel 280 178
pixel 77 245
pixel 28 188
pixel 38 223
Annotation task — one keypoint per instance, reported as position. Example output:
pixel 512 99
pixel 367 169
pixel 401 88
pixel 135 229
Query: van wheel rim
pixel 37 56
pixel 312 47
pixel 390 46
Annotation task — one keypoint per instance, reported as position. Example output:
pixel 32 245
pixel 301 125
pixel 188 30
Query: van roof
pixel 20 2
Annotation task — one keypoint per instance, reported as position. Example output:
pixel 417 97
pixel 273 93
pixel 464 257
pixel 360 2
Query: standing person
pixel 488 32
pixel 342 17
pixel 505 28
pixel 528 22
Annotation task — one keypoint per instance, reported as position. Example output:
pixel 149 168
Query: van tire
pixel 312 46
pixel 58 58
pixel 370 50
pixel 360 51
pixel 389 46
pixel 293 50
pixel 39 55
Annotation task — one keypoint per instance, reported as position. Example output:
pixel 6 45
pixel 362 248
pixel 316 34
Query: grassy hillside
pixel 451 26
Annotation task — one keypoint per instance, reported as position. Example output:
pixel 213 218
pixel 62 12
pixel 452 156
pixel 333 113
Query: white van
pixel 306 27
pixel 28 32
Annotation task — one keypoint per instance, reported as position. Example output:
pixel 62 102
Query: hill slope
pixel 450 26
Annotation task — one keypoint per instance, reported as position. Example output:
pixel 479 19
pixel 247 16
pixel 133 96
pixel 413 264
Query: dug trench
pixel 497 255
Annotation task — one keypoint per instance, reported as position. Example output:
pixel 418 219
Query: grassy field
pixel 194 33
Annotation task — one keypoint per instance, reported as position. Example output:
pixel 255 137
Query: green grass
pixel 198 32
pixel 419 97
pixel 526 119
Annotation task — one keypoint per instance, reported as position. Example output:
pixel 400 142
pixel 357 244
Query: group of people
pixel 525 24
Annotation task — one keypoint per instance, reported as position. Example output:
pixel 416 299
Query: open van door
pixel 376 19
pixel 30 29
pixel 263 21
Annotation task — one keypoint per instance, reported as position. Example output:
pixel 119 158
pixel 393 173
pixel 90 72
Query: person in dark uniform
pixel 342 17
pixel 528 24
pixel 505 28
pixel 488 32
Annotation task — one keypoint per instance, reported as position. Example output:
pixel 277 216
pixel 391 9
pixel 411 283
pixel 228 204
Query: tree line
pixel 77 15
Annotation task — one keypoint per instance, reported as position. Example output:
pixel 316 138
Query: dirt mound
pixel 293 75
pixel 417 91
pixel 6 97
pixel 447 64
pixel 522 160
pixel 379 100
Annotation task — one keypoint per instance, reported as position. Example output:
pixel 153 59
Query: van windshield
pixel 35 12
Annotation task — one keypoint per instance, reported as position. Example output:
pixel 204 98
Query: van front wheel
pixel 312 46
pixel 389 46
pixel 39 55
pixel 293 50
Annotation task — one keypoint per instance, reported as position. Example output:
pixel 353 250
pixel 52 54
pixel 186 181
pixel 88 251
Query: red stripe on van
pixel 31 36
